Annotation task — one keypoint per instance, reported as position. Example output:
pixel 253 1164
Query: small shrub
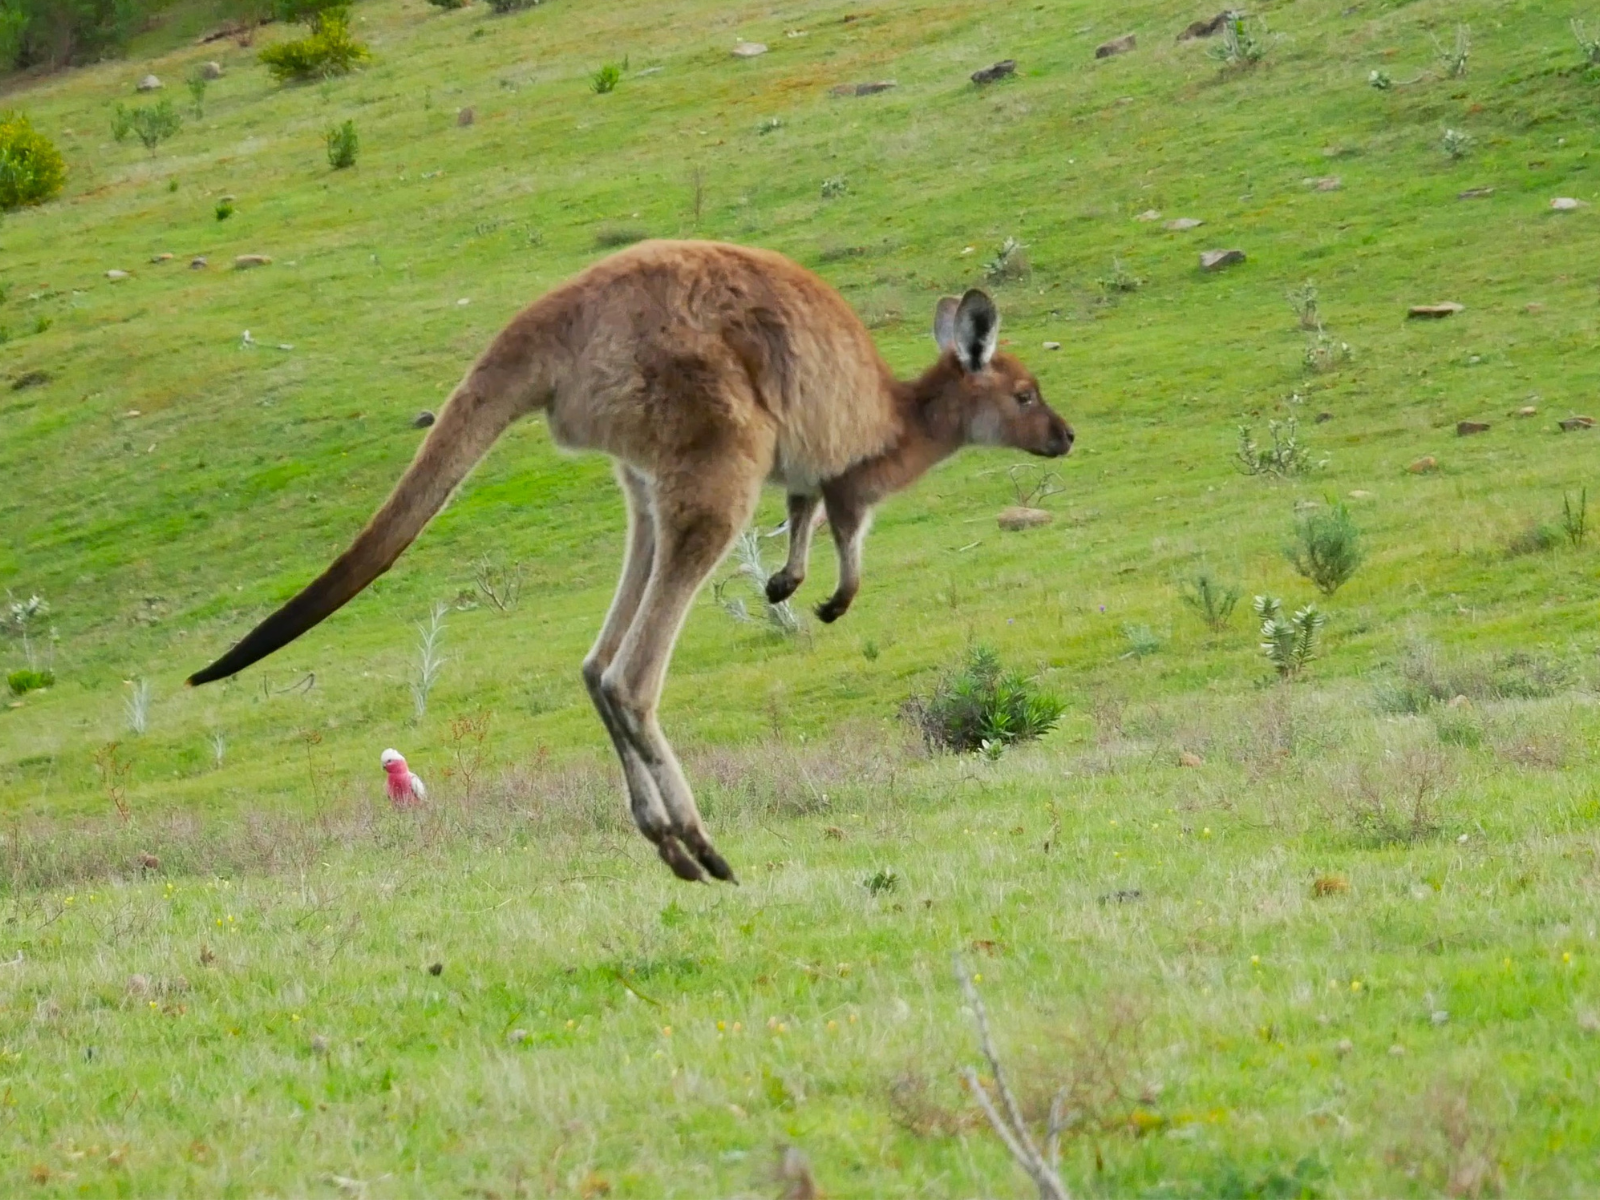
pixel 511 6
pixel 1120 280
pixel 1575 518
pixel 1325 353
pixel 330 49
pixel 835 187
pixel 27 680
pixel 885 879
pixel 1380 79
pixel 612 237
pixel 1456 144
pixel 342 145
pixel 448 4
pixel 770 125
pixel 152 124
pixel 225 208
pixel 1213 600
pixel 1303 300
pixel 31 168
pixel 197 84
pixel 1588 43
pixel 1536 537
pixel 983 702
pixel 430 662
pixel 1285 457
pixel 1142 641
pixel 1453 58
pixel 500 585
pixel 1327 547
pixel 1008 264
pixel 1426 679
pixel 1289 643
pixel 136 704
pixel 1240 41
pixel 605 80
pixel 22 619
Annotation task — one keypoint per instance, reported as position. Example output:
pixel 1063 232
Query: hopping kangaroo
pixel 703 370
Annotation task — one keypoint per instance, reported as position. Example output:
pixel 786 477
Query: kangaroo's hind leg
pixel 699 511
pixel 782 584
pixel 649 813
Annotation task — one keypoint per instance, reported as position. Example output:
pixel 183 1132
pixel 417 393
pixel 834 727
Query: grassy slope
pixel 160 537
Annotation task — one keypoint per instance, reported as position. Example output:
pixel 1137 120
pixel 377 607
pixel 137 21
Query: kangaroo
pixel 703 370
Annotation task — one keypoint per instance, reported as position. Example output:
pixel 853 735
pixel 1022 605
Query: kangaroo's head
pixel 995 398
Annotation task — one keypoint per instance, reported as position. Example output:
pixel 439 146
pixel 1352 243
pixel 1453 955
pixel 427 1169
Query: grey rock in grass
pixel 1119 45
pixel 1323 183
pixel 1435 312
pixel 1052 345
pixel 1017 518
pixel 465 117
pixel 862 89
pixel 198 263
pixel 244 262
pixel 162 258
pixel 1527 410
pixel 211 70
pixel 1204 29
pixel 1322 418
pixel 1215 260
pixel 148 84
pixel 999 70
pixel 1149 214
pixel 1468 428
pixel 114 275
pixel 1565 204
pixel 422 420
pixel 1479 193
pixel 1180 224
pixel 1573 424
pixel 749 50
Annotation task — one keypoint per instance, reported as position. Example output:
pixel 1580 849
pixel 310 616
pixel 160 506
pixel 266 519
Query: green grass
pixel 159 538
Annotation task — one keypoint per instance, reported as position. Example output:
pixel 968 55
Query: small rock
pixel 517 1036
pixel 30 379
pixel 1527 410
pixel 245 261
pixel 161 258
pixel 197 264
pixel 749 50
pixel 1589 1022
pixel 1424 465
pixel 138 985
pixel 1475 193
pixel 1149 214
pixel 1565 204
pixel 1467 428
pixel 1397 1051
pixel 1435 312
pixel 1215 260
pixel 436 968
pixel 115 275
pixel 1360 494
pixel 319 1044
pixel 1000 70
pixel 1190 759
pixel 1052 345
pixel 1204 29
pixel 465 117
pixel 1344 1047
pixel 148 84
pixel 1324 183
pixel 211 70
pixel 1119 45
pixel 149 861
pixel 1183 223
pixel 862 89
pixel 1458 701
pixel 1017 518
pixel 1323 417
pixel 422 420
pixel 1573 424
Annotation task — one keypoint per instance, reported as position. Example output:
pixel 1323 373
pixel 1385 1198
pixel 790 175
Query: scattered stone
pixel 1323 417
pixel 30 379
pixel 1052 345
pixel 1435 312
pixel 1360 494
pixel 1018 518
pixel 1000 70
pixel 319 1044
pixel 749 50
pixel 1397 1051
pixel 161 258
pixel 1475 193
pixel 862 89
pixel 422 420
pixel 465 117
pixel 115 275
pixel 1204 29
pixel 148 861
pixel 436 968
pixel 1439 1017
pixel 1215 260
pixel 1467 428
pixel 245 261
pixel 1149 214
pixel 1184 223
pixel 517 1036
pixel 198 263
pixel 1424 465
pixel 1119 45
pixel 1323 183
pixel 138 985
pixel 1573 424
pixel 1458 701
pixel 1190 759
pixel 1527 410
pixel 148 84
pixel 1565 204
pixel 211 70
pixel 1344 1047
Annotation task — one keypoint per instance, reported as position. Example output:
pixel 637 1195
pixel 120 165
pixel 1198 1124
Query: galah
pixel 405 789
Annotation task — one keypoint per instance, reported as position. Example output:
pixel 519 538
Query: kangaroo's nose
pixel 1061 438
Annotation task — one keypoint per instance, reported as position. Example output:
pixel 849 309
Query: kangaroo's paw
pixel 673 854
pixel 709 858
pixel 831 609
pixel 780 586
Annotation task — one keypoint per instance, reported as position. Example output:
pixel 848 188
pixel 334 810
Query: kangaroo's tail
pixel 469 424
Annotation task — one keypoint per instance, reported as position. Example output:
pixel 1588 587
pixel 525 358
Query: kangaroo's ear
pixel 976 330
pixel 944 322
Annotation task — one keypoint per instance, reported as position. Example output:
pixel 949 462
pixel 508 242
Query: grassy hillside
pixel 169 483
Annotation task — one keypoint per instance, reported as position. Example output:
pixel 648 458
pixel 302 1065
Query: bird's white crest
pixel 389 756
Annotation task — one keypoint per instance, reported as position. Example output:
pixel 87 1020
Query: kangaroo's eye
pixel 1027 397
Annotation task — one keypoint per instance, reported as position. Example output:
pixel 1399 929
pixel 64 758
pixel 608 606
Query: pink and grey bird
pixel 405 789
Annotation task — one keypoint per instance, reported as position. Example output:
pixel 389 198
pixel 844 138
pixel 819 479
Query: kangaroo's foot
pixel 685 868
pixel 781 585
pixel 713 862
pixel 834 607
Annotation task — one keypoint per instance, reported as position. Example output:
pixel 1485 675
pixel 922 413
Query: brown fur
pixel 703 369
